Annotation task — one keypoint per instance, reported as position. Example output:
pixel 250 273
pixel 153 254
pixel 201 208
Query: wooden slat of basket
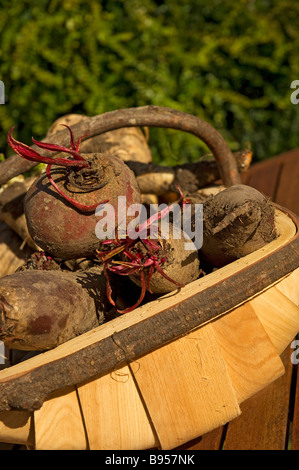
pixel 114 415
pixel 58 424
pixel 278 315
pixel 290 286
pixel 186 388
pixel 250 357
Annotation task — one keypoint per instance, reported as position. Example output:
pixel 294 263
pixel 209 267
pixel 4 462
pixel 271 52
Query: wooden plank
pixel 58 424
pixel 294 444
pixel 279 316
pixel 264 420
pixel 210 441
pixel 114 414
pixel 287 192
pixel 251 360
pixel 278 178
pixel 265 177
pixel 6 446
pixel 186 388
pixel 290 286
pixel 289 154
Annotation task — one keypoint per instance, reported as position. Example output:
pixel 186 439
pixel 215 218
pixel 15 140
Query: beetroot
pixel 170 265
pixel 40 309
pixel 60 205
pixel 237 221
pixel 157 264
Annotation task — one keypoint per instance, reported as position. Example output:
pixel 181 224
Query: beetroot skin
pixel 63 230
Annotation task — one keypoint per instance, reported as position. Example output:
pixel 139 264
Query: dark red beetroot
pixel 60 206
pixel 40 309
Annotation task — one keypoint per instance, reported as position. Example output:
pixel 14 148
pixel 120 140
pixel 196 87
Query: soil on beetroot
pixel 237 221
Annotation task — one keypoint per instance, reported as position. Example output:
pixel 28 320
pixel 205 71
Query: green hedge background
pixel 228 62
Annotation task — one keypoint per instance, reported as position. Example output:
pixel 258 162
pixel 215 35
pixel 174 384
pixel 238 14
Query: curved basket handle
pixel 145 116
pixel 158 116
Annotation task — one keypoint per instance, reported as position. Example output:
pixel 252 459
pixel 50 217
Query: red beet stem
pixel 73 145
pixel 61 148
pixel 108 286
pixel 28 153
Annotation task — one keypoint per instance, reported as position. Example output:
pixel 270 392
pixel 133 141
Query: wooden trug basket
pixel 171 370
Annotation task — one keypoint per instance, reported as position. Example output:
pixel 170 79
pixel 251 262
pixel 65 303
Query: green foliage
pixel 231 63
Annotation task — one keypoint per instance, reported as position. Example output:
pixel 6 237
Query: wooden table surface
pixel 269 419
